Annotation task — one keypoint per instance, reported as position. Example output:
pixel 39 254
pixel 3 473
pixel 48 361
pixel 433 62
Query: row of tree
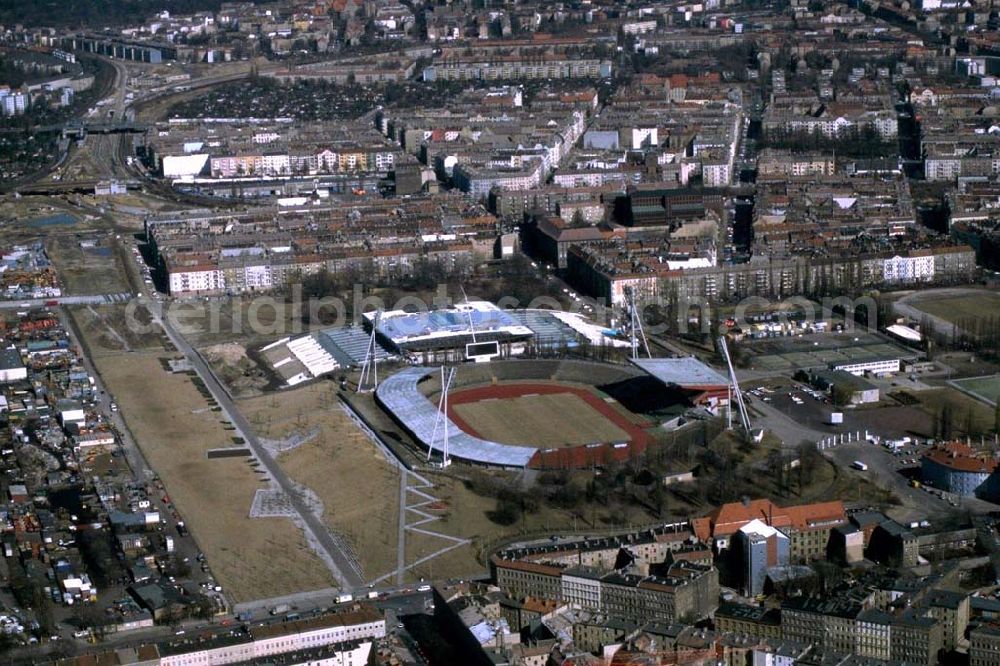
pixel 864 142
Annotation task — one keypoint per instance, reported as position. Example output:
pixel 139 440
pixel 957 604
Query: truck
pixel 344 598
pixel 280 608
pixel 860 466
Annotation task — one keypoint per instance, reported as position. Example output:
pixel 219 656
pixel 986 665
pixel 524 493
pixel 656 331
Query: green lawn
pixel 987 388
pixel 963 409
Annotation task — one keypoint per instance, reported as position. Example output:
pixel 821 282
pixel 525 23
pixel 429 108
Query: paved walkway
pixel 340 564
pixel 410 483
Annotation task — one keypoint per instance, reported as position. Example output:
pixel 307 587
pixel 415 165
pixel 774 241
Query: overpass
pixel 65 187
pixel 78 130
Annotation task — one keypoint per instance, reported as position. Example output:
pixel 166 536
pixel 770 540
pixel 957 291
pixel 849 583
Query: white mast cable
pixel 369 370
pixel 744 416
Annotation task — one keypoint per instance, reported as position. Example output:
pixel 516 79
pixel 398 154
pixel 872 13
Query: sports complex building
pixel 548 414
pixel 434 336
pixel 444 334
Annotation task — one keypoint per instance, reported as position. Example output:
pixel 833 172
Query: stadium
pixel 547 414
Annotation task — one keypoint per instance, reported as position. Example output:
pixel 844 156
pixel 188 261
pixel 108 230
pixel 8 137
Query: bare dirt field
pixel 252 558
pixel 358 488
pixel 557 419
pixel 241 375
pixel 247 320
pixel 112 328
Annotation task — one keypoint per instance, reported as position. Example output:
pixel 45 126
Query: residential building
pixel 755 621
pixel 761 546
pixel 951 610
pixel 984 645
pixel 807 526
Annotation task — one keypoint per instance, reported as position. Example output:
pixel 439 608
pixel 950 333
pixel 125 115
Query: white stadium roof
pixel 686 371
pixel 399 394
pixel 461 320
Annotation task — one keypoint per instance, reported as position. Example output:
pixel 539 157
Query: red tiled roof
pixel 729 518
pixel 530 567
pixel 962 458
pixel 538 605
pixel 805 516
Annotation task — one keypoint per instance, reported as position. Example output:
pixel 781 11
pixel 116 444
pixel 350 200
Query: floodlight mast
pixel 369 370
pixel 472 325
pixel 735 389
pixel 441 418
pixel 635 325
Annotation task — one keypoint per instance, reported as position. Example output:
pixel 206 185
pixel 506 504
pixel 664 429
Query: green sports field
pixel 985 388
pixel 959 308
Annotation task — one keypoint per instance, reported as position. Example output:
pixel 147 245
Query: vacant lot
pixel 112 328
pixel 459 562
pixel 174 426
pixel 250 320
pixel 557 419
pixel 985 388
pixel 87 270
pixel 241 375
pixel 463 513
pixel 358 488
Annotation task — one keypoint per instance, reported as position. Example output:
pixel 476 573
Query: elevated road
pixel 112 129
pixel 95 299
pixel 64 187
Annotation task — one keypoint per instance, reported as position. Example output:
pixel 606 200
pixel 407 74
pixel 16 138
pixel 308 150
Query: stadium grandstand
pixel 296 360
pixel 400 396
pixel 442 335
pixel 703 385
pixel 411 398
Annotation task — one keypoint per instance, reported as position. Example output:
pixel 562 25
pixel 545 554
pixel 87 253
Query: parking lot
pixel 812 410
pixel 896 471
pixel 799 402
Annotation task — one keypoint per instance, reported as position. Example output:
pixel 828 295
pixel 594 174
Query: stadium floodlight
pixel 441 418
pixel 369 370
pixel 472 324
pixel 735 390
pixel 636 331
